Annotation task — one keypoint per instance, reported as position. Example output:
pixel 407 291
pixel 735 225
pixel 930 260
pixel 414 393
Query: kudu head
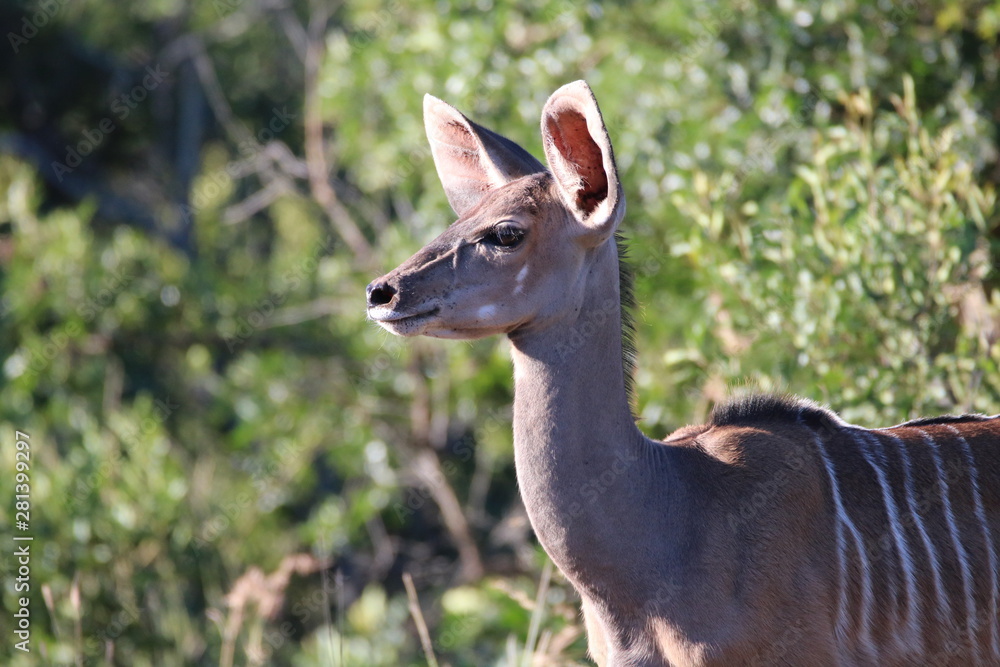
pixel 519 255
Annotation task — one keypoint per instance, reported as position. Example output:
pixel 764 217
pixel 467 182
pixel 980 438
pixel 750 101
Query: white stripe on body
pixel 963 561
pixel 981 517
pixel 844 522
pixel 876 459
pixel 925 538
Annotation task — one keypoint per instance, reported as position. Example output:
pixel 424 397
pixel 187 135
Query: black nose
pixel 379 293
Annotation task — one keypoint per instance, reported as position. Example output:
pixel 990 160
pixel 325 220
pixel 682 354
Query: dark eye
pixel 505 234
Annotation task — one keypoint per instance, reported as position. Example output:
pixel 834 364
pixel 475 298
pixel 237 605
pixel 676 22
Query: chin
pixel 400 329
pixel 461 334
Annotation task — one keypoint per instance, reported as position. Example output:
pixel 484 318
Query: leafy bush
pixel 231 466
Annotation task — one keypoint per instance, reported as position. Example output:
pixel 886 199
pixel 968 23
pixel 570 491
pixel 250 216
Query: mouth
pixel 401 324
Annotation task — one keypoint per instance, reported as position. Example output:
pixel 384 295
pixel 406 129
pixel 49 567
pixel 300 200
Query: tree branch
pixel 315 146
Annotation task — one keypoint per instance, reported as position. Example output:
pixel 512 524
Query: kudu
pixel 775 534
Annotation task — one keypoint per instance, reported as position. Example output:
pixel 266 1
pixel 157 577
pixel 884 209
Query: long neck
pixel 581 461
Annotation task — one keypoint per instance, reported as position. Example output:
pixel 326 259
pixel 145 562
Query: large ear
pixel 581 159
pixel 470 159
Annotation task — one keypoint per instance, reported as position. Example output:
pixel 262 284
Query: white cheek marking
pixel 486 312
pixel 519 279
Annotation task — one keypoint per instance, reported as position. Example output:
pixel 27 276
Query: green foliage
pixel 231 466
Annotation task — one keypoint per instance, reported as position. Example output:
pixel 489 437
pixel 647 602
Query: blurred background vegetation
pixel 230 466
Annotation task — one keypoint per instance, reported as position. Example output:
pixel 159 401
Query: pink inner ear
pixel 465 150
pixel 571 137
pixel 459 164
